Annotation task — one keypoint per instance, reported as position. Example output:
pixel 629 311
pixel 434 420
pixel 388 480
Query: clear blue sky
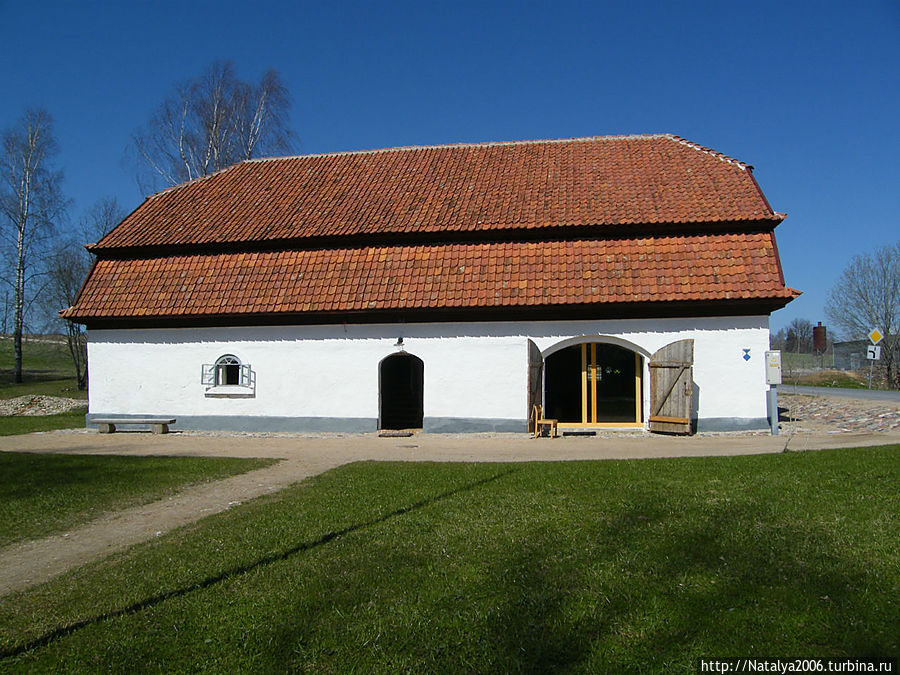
pixel 807 92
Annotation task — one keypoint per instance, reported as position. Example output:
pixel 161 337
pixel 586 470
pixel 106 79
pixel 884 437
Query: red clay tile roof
pixel 582 272
pixel 616 180
pixel 199 250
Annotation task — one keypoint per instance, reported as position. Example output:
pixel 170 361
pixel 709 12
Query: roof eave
pixel 611 310
pixel 608 231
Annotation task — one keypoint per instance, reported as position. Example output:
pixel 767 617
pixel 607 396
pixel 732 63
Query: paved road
pixel 859 394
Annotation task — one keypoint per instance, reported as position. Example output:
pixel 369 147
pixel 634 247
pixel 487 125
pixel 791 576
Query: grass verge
pixel 46 368
pixel 576 566
pixel 43 494
pixel 829 378
pixel 26 424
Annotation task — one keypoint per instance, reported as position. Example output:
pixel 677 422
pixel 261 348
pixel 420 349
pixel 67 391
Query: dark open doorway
pixel 593 383
pixel 401 386
pixel 562 377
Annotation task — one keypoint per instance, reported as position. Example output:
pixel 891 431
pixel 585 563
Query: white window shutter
pixel 245 375
pixel 208 376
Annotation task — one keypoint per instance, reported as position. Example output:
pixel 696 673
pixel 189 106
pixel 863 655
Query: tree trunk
pixel 75 340
pixel 19 302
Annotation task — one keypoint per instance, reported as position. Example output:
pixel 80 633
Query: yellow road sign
pixel 875 336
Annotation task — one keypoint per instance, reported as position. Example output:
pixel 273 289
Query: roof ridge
pixel 481 144
pixel 195 180
pixel 709 151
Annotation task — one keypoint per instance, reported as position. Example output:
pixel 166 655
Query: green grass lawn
pixel 815 371
pixel 47 369
pixel 43 494
pixel 829 378
pixel 22 424
pixel 575 566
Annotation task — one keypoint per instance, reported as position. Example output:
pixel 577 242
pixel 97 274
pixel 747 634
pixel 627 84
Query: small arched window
pixel 228 370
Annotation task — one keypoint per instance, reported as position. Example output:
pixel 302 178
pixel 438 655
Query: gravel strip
pixel 836 415
pixel 33 405
pixel 798 412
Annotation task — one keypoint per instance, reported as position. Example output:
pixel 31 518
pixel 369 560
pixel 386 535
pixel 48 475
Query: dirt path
pixel 33 562
pixel 30 563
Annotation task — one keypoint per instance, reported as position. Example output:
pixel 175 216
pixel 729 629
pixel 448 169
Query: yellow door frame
pixel 589 385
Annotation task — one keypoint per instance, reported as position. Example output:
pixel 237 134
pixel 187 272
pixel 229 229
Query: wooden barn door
pixel 535 380
pixel 672 388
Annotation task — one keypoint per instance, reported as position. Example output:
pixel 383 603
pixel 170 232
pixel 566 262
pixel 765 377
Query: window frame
pixel 228 368
pixel 228 377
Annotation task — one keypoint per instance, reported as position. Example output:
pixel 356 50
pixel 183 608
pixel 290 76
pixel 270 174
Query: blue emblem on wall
pixel 746 356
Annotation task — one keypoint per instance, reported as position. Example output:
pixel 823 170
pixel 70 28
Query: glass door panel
pixel 593 383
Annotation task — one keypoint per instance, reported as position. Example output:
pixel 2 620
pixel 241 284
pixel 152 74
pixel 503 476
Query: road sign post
pixel 873 353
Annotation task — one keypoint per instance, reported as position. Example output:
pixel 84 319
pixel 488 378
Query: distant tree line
pixel 204 125
pixel 796 338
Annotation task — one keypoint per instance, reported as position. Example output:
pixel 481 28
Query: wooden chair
pixel 540 422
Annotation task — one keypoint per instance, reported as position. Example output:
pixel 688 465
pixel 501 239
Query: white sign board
pixel 875 336
pixel 873 353
pixel 773 367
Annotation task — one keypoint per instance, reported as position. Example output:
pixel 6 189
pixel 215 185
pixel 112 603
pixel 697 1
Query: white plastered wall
pixel 472 370
pixel 305 371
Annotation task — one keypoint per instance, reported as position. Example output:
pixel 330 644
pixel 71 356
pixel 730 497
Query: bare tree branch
pixel 867 296
pixel 799 337
pixel 209 123
pixel 67 269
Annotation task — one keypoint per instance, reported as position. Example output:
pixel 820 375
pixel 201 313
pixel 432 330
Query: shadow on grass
pixel 696 589
pixel 644 582
pixel 648 587
pixel 13 425
pixel 7 376
pixel 26 474
pixel 302 547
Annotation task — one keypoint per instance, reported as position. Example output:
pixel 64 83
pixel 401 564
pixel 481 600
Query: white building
pixel 618 281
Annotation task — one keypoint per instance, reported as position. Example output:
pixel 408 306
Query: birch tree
pixel 867 296
pixel 31 203
pixel 209 123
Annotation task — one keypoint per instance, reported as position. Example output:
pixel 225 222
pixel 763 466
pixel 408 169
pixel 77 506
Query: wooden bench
pixel 540 422
pixel 158 425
